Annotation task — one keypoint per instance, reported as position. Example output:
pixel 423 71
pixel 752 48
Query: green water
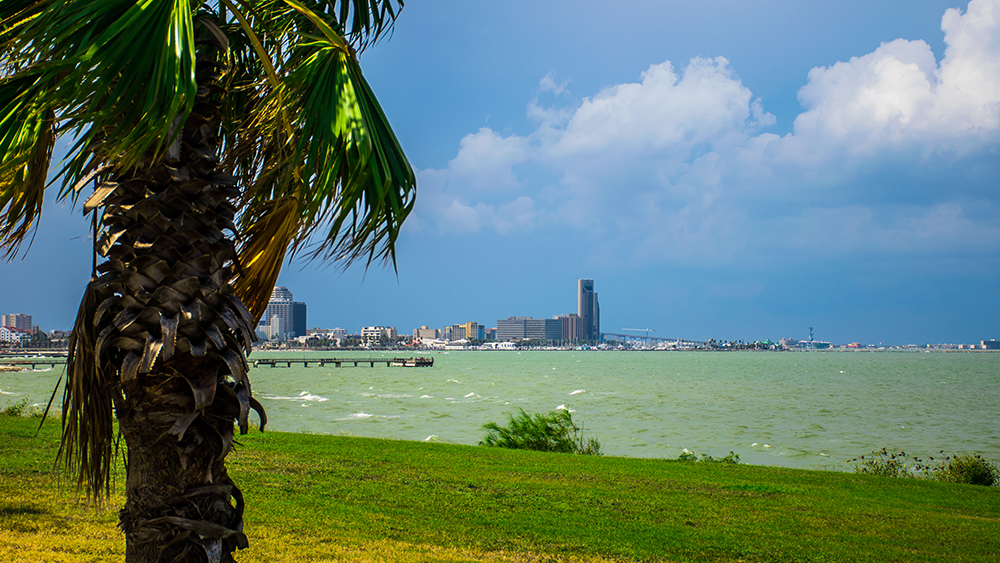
pixel 798 409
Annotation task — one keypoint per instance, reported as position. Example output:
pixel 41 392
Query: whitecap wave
pixel 303 396
pixel 578 391
pixel 363 416
pixel 453 381
pixel 563 407
pixel 426 397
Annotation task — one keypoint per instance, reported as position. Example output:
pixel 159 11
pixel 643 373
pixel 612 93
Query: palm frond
pixel 350 175
pixel 266 238
pixel 110 94
pixel 363 22
pixel 26 141
pixel 88 431
pixel 13 15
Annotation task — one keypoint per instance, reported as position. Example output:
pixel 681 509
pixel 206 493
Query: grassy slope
pixel 324 498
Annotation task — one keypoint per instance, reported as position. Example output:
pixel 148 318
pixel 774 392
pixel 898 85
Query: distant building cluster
pixel 582 327
pixel 284 318
pixel 16 329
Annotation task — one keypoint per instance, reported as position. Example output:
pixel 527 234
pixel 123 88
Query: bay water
pixel 812 410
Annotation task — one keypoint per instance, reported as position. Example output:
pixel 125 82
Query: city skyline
pixel 726 169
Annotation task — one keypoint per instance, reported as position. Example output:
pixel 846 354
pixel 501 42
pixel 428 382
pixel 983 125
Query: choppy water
pixel 798 409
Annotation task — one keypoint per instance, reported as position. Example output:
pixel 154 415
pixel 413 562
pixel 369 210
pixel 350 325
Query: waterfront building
pixel 272 328
pixel 292 314
pixel 17 320
pixel 426 333
pixel 490 334
pixel 589 310
pixel 13 335
pixel 990 344
pixel 511 328
pixel 378 335
pixel 527 328
pixel 326 333
pixel 468 331
pixel 573 328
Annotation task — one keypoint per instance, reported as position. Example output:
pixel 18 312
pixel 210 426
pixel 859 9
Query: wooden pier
pixel 33 362
pixel 418 362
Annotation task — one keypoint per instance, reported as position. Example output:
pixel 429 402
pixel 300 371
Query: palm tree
pixel 219 138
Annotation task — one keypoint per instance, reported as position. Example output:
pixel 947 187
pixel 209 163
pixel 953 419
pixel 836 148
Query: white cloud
pixel 548 84
pixel 899 97
pixel 680 164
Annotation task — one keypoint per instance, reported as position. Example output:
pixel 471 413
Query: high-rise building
pixel 292 315
pixel 589 310
pixel 573 328
pixel 16 320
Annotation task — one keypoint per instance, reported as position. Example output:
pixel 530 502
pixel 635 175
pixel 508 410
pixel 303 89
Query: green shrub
pixel 17 409
pixel 731 459
pixel 552 432
pixel 970 469
pixel 884 463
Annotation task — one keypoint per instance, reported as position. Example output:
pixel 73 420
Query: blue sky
pixel 722 169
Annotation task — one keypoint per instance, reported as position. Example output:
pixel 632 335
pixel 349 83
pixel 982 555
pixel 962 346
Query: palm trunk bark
pixel 175 339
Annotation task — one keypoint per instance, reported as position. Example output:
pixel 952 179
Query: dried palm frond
pixel 262 252
pixel 88 427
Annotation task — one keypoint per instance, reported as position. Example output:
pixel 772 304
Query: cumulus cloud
pixel 681 164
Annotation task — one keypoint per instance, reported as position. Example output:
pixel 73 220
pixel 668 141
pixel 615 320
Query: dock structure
pixel 338 362
pixel 257 362
pixel 34 362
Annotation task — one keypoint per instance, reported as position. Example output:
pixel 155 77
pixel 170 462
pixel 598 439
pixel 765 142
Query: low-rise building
pixel 527 328
pixel 425 333
pixel 16 336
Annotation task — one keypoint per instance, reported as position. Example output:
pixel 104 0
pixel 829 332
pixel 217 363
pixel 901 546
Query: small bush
pixel 731 459
pixel 17 409
pixel 552 432
pixel 884 463
pixel 970 469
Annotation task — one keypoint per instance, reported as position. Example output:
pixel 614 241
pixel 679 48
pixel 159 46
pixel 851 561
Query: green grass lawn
pixel 330 498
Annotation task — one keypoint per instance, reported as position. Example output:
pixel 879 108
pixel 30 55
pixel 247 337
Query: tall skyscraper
pixel 589 310
pixel 291 314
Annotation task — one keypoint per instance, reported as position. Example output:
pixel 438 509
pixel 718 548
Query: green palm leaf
pixel 342 163
pixel 121 101
pixel 26 140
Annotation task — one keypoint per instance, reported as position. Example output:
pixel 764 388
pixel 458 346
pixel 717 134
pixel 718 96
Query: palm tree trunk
pixel 175 339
